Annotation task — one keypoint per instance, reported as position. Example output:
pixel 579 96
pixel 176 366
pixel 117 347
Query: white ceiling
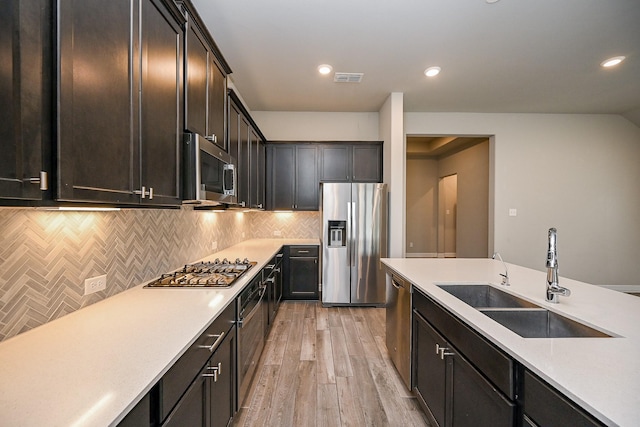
pixel 526 56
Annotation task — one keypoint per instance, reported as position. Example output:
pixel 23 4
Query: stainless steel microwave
pixel 210 173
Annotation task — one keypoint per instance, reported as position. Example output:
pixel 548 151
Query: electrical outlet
pixel 410 244
pixel 95 284
pixel 214 246
pixel 243 234
pixel 277 233
pixel 513 212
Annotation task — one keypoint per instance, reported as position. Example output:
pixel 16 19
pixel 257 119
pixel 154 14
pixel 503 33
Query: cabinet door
pixel 24 90
pixel 196 62
pixel 282 177
pixel 335 162
pixel 475 401
pixel 257 187
pixel 429 369
pixel 244 163
pixel 306 178
pixel 261 168
pixel 235 149
pixel 160 103
pixel 366 163
pixel 216 102
pixel 303 278
pixel 221 403
pixel 254 177
pixel 98 153
pixel 191 409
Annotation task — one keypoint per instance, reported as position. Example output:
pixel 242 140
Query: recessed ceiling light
pixel 612 62
pixel 432 71
pixel 325 68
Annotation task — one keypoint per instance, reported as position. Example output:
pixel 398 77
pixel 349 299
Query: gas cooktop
pixel 206 274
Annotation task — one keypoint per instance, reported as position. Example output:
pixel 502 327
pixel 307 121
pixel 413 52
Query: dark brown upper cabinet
pixel 247 146
pixel 205 80
pixel 351 162
pixel 25 93
pixel 120 102
pixel 292 177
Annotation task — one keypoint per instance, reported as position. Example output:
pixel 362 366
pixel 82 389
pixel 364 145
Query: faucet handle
pixel 505 280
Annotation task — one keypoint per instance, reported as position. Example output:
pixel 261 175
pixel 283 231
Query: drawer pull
pixel 215 344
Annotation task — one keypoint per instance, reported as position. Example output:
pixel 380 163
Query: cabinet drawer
pixel 493 363
pixel 306 251
pixel 546 407
pixel 182 373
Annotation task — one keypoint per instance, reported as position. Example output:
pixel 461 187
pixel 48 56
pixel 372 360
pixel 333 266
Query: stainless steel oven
pixel 251 310
pixel 209 173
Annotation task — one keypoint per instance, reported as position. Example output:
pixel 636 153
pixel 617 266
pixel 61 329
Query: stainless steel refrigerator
pixel 354 238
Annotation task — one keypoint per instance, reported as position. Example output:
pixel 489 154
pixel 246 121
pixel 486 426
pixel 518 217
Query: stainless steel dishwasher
pixel 399 326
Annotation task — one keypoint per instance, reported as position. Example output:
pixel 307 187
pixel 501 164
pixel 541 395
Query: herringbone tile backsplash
pixel 45 256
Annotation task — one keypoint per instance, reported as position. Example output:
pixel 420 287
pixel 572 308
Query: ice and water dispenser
pixel 337 234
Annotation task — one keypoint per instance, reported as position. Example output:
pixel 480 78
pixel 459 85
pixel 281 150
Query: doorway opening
pixel 447 196
pixel 447 223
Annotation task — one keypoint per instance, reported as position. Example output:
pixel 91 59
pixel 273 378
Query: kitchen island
pixel 91 367
pixel 601 375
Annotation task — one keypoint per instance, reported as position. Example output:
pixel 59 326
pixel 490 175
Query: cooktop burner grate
pixel 206 274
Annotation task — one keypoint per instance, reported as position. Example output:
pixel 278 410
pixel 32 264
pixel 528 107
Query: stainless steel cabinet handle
pixel 214 375
pixel 443 351
pixel 271 280
pixel 142 193
pixel 303 252
pixel 150 193
pixel 42 180
pixel 213 346
pixel 270 266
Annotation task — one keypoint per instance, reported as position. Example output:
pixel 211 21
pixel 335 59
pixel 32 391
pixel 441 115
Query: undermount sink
pixel 519 315
pixel 486 296
pixel 541 323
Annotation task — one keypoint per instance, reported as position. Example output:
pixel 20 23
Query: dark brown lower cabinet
pixel 208 402
pixel 448 385
pixel 302 266
pixel 544 406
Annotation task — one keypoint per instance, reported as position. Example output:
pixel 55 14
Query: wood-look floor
pixel 328 367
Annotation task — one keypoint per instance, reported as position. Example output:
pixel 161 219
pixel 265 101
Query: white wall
pixel 391 132
pixel 578 173
pixel 312 126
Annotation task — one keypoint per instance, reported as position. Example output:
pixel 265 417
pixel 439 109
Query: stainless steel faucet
pixel 505 276
pixel 554 290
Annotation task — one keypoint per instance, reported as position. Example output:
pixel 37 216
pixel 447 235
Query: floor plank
pixel 328 367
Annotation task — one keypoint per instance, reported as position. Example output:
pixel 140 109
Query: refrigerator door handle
pixel 352 225
pixel 348 234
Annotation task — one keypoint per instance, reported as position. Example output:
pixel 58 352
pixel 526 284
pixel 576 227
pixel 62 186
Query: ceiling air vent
pixel 348 77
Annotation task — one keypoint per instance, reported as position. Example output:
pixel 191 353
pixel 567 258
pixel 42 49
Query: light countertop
pixel 91 367
pixel 600 374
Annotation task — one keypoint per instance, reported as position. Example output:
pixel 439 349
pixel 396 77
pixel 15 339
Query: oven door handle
pixel 249 316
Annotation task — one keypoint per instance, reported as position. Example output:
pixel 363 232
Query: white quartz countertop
pixel 91 367
pixel 600 374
